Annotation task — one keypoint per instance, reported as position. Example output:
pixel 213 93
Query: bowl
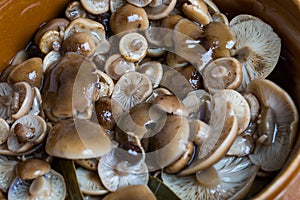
pixel 20 19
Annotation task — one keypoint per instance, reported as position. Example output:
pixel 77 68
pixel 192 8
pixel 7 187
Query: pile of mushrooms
pixel 129 89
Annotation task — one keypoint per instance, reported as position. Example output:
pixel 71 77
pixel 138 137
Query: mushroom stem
pixel 243 54
pixel 267 125
pixel 208 178
pixel 40 187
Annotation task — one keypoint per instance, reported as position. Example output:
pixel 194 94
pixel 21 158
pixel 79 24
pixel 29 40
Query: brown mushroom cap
pixel 32 168
pixel 128 17
pixel 278 123
pixel 30 70
pixel 196 10
pixel 134 192
pixel 95 7
pixel 77 139
pixel 74 10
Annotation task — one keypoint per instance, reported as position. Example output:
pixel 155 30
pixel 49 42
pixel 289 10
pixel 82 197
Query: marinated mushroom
pixel 50 40
pixel 128 17
pixel 7 171
pixel 133 192
pixel 89 182
pixel 230 178
pixel 95 7
pixel 25 133
pixel 257 47
pixel 277 125
pixel 152 69
pixel 30 71
pixel 222 73
pixel 197 11
pixel 132 88
pixel 77 139
pixel 51 59
pixel 192 75
pixel 48 186
pixel 32 169
pixel 74 10
pixel 242 146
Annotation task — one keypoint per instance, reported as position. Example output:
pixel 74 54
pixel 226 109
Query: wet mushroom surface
pixel 116 94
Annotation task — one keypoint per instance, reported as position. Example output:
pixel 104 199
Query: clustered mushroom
pixel 178 92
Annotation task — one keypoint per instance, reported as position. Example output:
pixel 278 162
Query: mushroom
pixel 81 43
pixel 192 75
pixel 116 65
pixel 230 178
pixel 48 186
pixel 32 168
pixel 77 139
pixel 199 131
pixel 240 106
pixel 169 144
pixel 95 7
pixel 51 59
pixel 30 70
pixel 197 11
pixel 222 73
pixel 170 104
pixel 128 17
pixel 152 69
pixel 257 47
pixel 89 182
pixel 7 171
pixel 74 10
pixel 36 107
pixel 131 89
pixel 159 9
pixel 4 131
pixel 242 18
pixel 20 57
pixel 133 192
pixel 169 22
pixel 220 17
pixel 124 165
pixel 116 4
pixel 211 6
pixel 277 125
pixel 90 164
pixel 133 47
pixel 181 162
pixel 253 104
pixel 50 40
pixel 26 132
pixel 242 146
pixel 221 134
pixel 105 83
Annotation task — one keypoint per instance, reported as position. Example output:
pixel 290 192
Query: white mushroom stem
pixel 40 187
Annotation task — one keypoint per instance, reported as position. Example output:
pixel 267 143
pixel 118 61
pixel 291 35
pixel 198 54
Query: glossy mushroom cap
pixel 77 139
pixel 32 168
pixel 134 192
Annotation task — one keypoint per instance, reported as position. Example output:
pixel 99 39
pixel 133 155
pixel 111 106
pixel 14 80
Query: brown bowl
pixel 20 19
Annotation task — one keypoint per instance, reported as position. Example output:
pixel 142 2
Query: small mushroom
pixel 222 73
pixel 152 69
pixel 30 70
pixel 169 144
pixel 26 132
pixel 132 88
pixel 50 40
pixel 32 168
pixel 95 7
pixel 170 104
pixel 106 85
pixel 7 171
pixel 230 178
pixel 221 134
pixel 181 162
pixel 77 139
pixel 4 131
pixel 50 60
pixel 89 182
pixel 133 47
pixel 128 17
pixel 196 10
pixel 240 105
pixel 48 186
pixel 74 10
pixel 159 9
pixel 277 125
pixel 123 166
pixel 257 47
pixel 116 65
pixel 81 43
pixel 133 192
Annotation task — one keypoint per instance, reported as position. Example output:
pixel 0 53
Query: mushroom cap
pixel 7 171
pixel 222 133
pixel 131 89
pixel 242 18
pixel 4 131
pixel 169 144
pixel 284 123
pixel 26 132
pixel 32 168
pixel 49 186
pixel 74 10
pixel 240 106
pixel 196 12
pixel 95 7
pixel 230 177
pixel 50 40
pixel 30 70
pixel 152 69
pixel 160 10
pixel 257 47
pixel 128 17
pixel 89 182
pixel 220 17
pixel 50 60
pixel 133 47
pixel 77 139
pixel 133 192
pixel 222 73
